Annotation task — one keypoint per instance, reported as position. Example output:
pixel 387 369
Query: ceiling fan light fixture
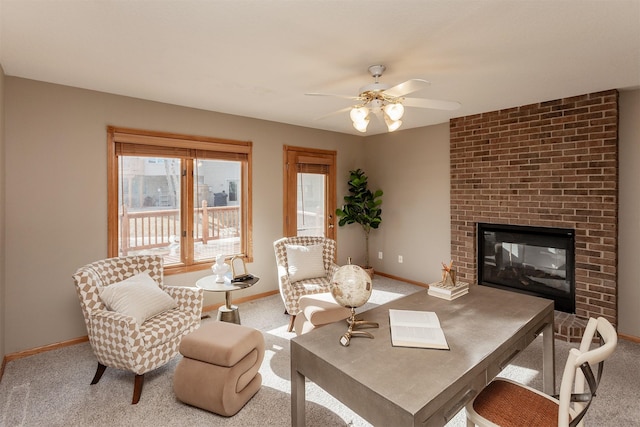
pixel 394 111
pixel 387 103
pixel 361 125
pixel 359 114
pixel 392 124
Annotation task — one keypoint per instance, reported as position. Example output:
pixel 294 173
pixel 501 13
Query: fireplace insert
pixel 538 261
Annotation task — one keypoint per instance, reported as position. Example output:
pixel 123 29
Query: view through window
pixel 311 204
pixel 184 200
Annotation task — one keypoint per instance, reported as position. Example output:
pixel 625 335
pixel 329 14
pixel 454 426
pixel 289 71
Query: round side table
pixel 228 312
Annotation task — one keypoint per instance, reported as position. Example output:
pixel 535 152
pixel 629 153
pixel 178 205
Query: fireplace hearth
pixel 538 261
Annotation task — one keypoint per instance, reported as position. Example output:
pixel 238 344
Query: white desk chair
pixel 506 403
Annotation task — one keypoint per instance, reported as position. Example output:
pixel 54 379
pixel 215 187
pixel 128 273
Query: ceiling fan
pixel 387 102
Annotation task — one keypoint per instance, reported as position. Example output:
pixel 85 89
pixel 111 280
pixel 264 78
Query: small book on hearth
pixel 411 328
pixel 448 292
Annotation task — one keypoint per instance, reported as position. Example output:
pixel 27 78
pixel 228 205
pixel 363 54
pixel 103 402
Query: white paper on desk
pixel 411 328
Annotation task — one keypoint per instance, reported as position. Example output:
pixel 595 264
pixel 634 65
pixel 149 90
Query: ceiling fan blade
pixel 436 104
pixel 333 113
pixel 354 98
pixel 409 86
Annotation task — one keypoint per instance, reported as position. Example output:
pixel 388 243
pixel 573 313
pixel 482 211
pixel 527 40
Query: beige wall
pixel 629 218
pixel 55 218
pixel 2 222
pixel 412 168
pixel 56 194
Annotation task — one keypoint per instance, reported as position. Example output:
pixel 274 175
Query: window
pixel 183 197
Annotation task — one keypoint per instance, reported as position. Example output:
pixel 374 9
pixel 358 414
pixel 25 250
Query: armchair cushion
pixel 165 327
pixel 305 262
pixel 138 296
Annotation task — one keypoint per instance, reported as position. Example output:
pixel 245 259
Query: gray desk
pixel 400 386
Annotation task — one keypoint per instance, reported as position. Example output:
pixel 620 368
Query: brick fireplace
pixel 551 164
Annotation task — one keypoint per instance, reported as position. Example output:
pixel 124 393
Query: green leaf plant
pixel 361 206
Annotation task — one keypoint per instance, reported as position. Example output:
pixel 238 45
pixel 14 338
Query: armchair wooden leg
pixel 137 388
pixel 292 318
pixel 99 372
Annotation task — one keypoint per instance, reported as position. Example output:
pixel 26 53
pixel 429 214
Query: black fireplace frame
pixel 532 235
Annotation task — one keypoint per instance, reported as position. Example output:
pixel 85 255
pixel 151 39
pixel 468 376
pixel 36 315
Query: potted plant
pixel 361 206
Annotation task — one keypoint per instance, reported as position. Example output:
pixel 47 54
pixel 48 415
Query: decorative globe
pixel 351 286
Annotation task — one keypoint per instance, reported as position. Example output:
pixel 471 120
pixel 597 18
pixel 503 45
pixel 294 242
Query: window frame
pixel 145 143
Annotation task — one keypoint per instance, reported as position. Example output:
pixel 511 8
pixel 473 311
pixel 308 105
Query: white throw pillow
pixel 138 296
pixel 305 262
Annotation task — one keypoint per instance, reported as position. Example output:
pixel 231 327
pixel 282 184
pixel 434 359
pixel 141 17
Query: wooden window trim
pixel 137 142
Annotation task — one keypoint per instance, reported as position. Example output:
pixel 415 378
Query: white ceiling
pixel 258 58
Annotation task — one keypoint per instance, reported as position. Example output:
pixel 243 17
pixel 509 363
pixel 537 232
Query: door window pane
pixel 311 204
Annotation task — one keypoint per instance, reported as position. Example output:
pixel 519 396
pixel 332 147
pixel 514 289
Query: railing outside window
pixel 156 229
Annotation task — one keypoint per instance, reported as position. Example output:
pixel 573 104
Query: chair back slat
pixel 578 371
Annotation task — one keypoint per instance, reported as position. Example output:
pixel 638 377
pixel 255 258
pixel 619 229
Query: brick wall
pixel 552 164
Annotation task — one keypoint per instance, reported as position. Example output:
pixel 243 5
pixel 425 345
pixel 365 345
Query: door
pixel 309 192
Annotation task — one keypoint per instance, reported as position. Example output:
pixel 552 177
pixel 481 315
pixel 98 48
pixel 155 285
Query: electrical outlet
pixel 380 255
pixel 400 259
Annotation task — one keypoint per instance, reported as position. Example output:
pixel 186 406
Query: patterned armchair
pixel 117 340
pixel 292 290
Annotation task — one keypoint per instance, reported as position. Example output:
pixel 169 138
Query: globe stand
pixel 345 340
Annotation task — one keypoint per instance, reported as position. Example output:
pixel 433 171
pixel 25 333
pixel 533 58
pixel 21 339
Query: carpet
pixel 52 388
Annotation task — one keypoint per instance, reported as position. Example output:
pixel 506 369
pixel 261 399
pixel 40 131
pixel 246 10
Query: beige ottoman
pixel 219 370
pixel 317 310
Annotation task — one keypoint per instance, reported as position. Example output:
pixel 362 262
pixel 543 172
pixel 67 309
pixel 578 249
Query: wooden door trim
pixel 307 155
